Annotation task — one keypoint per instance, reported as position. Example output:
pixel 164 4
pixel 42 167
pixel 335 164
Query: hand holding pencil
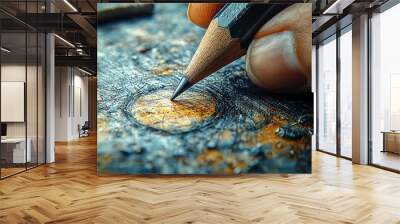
pixel 279 57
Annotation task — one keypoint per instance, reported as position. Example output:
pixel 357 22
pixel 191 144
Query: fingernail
pixel 272 63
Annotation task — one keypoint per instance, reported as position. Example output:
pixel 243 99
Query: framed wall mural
pixel 224 124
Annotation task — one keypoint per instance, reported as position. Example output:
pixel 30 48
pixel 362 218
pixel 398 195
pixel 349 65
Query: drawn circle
pixel 189 111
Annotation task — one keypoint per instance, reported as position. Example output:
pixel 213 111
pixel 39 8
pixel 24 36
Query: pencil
pixel 226 39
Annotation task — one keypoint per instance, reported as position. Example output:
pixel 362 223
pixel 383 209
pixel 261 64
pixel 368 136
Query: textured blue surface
pixel 131 55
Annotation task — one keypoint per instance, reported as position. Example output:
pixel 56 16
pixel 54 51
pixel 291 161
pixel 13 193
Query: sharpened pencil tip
pixel 182 87
pixel 173 97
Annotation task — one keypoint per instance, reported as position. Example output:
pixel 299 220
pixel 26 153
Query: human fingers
pixel 201 14
pixel 279 58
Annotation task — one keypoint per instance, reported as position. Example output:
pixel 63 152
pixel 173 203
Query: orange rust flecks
pixel 258 117
pixel 267 135
pixel 103 161
pixel 214 158
pixel 226 135
pixel 102 127
pixel 163 71
pixel 211 156
pixel 187 111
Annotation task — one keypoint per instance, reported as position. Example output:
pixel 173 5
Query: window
pixel 22 77
pixel 385 89
pixel 346 92
pixel 327 95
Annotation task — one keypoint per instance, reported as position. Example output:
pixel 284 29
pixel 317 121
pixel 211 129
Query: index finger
pixel 201 14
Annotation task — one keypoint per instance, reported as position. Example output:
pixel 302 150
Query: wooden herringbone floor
pixel 70 191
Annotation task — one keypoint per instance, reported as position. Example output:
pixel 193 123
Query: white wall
pixel 81 84
pixel 16 72
pixel 70 83
pixel 62 81
pixel 13 72
pixel 33 127
pixel 13 101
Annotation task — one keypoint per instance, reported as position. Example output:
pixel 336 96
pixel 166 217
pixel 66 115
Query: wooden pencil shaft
pixel 216 49
pixel 228 36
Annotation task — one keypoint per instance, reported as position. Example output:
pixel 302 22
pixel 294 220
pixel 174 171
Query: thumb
pixel 272 63
pixel 279 58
